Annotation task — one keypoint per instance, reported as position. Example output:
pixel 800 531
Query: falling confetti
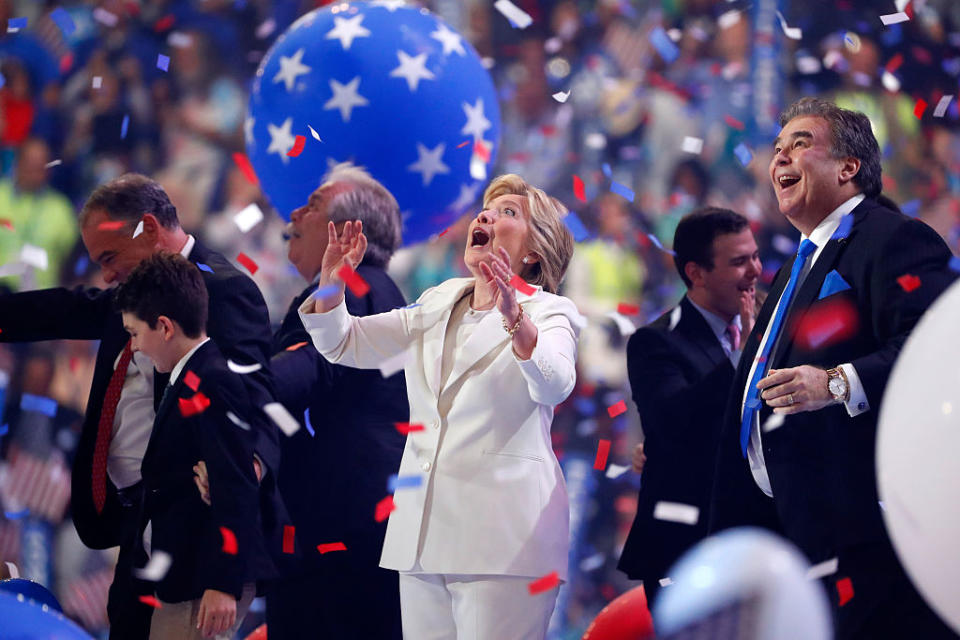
pixel 298 142
pixel 578 189
pixel 692 145
pixel 628 309
pixel 331 546
pixel 603 450
pixel 124 126
pixel 191 380
pixel 894 18
pixel 676 512
pixel 384 508
pixel 919 108
pixel 247 262
pixel 150 601
pixel 908 282
pixel 243 369
pixel 615 410
pixel 156 568
pixel 316 136
pixel 521 285
pixel 823 569
pixel 844 591
pixel 229 541
pixel 248 217
pixel 357 285
pixel 282 418
pixel 288 538
pixel 407 428
pixel 192 406
pixel 519 18
pixel 561 96
pixel 545 583
pixel 243 163
pixel 163 62
pixel 941 107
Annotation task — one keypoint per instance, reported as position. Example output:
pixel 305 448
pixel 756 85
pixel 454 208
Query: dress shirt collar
pixel 828 226
pixel 188 246
pixel 717 324
pixel 175 373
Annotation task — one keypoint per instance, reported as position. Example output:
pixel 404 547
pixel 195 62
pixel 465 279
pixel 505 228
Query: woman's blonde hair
pixel 549 237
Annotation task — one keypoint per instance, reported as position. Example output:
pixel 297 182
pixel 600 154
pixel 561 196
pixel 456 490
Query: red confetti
pixel 521 285
pixel 229 541
pixel 112 225
pixel 603 450
pixel 578 189
pixel 443 232
pixel 733 122
pixel 296 346
pixel 384 508
pixel 844 590
pixel 481 151
pixel 243 162
pixel 894 63
pixel 248 262
pixel 357 285
pixel 191 379
pixel 164 23
pixel 919 108
pixel 193 406
pixel 331 546
pixel 151 601
pixel 616 409
pixel 297 148
pixel 548 130
pixel 463 144
pixel 826 323
pixel 406 428
pixel 628 309
pixel 909 282
pixel 6 224
pixel 545 583
pixel 66 63
pixel 288 533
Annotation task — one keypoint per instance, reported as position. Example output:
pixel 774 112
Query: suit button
pixel 426 466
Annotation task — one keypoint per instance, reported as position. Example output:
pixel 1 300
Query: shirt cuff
pixel 857 403
pixel 326 329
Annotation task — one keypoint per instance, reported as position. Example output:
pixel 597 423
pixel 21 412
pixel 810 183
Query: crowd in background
pixel 85 100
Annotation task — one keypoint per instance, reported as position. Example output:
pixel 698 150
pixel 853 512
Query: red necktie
pixel 105 428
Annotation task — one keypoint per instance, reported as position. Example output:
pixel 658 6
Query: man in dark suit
pixel 797 450
pixel 681 368
pixel 123 222
pixel 334 476
pixel 217 549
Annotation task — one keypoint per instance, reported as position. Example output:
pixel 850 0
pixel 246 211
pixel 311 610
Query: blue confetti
pixel 306 422
pixel 664 45
pixel 81 267
pixel 14 24
pixel 163 62
pixel 744 155
pixel 64 21
pixel 395 482
pixel 621 190
pixel 327 291
pixel 4 429
pixel 659 245
pixel 123 126
pixel 16 515
pixel 846 223
pixel 753 403
pixel 606 169
pixel 411 306
pixel 911 208
pixel 46 406
pixel 573 222
pixel 204 267
pixel 2 81
pixel 955 263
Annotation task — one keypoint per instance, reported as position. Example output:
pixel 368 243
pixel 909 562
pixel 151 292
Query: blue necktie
pixel 752 404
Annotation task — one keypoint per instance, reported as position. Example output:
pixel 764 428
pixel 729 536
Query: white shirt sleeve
pixel 857 403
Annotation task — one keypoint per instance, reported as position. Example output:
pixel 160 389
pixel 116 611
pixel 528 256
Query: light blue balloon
pixel 22 618
pixel 386 86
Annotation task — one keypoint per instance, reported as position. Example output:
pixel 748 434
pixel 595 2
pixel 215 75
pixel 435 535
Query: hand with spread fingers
pixel 498 271
pixel 795 390
pixel 343 249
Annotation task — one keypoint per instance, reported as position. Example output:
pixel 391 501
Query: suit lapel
pixel 435 316
pixel 695 327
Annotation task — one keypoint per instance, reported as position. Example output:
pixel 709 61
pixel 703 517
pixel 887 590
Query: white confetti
pixel 279 414
pixel 561 96
pixel 316 136
pixel 14 571
pixel 894 18
pixel 728 19
pixel 692 145
pixel 248 217
pixel 138 230
pixel 593 562
pixel 901 4
pixel 179 40
pixel 53 163
pixel 823 569
pixel 675 34
pixel 97 82
pixel 794 33
pixel 775 421
pixel 266 28
pixel 103 16
pixel 674 317
pixel 616 470
pixel 232 417
pixel 942 106
pixel 553 45
pixel 34 256
pixel 665 582
pixel 517 16
pixel 156 568
pixel 243 369
pixel 676 512
pixel 478 168
pixel 808 65
pixel 394 364
pixel 890 82
pixel 624 324
pixel 832 59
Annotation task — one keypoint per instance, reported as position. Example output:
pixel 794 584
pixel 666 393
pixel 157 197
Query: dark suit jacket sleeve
pixel 669 404
pixel 54 314
pixel 239 321
pixel 234 493
pixel 914 249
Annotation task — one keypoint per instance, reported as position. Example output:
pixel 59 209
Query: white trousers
pixel 472 607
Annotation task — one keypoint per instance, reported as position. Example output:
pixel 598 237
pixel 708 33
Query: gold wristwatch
pixel 838 385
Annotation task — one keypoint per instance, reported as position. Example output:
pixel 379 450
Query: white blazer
pixel 492 498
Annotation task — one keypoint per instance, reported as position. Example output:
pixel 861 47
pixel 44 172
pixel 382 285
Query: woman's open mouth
pixel 479 238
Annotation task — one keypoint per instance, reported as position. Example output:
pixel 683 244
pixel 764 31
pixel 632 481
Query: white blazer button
pixel 426 466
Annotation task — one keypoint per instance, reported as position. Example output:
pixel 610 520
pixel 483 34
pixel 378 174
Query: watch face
pixel 837 387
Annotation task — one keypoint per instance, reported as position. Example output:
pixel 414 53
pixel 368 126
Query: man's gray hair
pixel 371 203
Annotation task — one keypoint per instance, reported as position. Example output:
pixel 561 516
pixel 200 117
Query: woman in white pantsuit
pixel 485 366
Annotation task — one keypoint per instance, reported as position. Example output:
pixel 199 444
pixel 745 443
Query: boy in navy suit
pixel 218 551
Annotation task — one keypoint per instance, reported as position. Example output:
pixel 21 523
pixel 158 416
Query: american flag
pixel 86 599
pixel 41 485
pixel 10 541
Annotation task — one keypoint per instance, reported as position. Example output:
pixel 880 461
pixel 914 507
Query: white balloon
pixel 748 567
pixel 918 440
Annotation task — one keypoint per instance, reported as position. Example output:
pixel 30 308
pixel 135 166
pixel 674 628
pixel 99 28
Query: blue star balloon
pixel 388 87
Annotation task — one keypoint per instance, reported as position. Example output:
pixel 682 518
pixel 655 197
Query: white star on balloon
pixel 346 29
pixel 345 98
pixel 412 69
pixel 477 123
pixel 290 68
pixel 468 195
pixel 391 5
pixel 248 129
pixel 450 39
pixel 281 140
pixel 429 162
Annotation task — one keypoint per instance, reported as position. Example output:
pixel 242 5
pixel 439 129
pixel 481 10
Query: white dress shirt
pixel 857 403
pixel 133 421
pixel 719 327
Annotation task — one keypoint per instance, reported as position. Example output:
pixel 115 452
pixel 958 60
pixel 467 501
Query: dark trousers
pixel 345 599
pixel 885 603
pixel 129 617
